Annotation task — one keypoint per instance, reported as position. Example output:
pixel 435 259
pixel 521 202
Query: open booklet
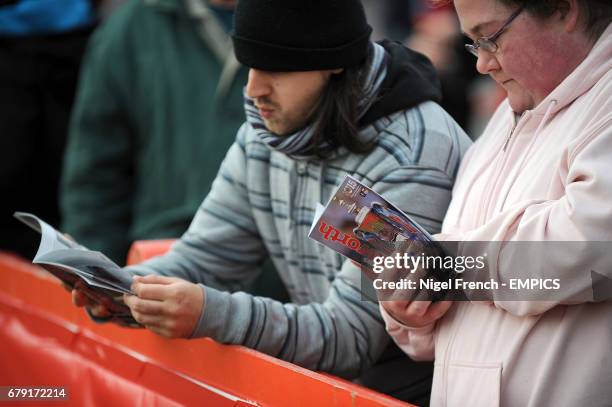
pixel 362 225
pixel 105 281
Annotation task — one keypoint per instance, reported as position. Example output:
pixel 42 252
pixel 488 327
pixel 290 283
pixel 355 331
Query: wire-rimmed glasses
pixel 488 43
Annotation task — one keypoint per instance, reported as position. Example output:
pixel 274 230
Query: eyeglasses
pixel 488 43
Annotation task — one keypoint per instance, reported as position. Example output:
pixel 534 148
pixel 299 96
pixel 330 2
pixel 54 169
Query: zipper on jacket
pixel 512 132
pixel 508 139
pixel 499 169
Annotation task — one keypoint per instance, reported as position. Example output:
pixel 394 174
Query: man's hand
pixel 169 306
pixel 84 297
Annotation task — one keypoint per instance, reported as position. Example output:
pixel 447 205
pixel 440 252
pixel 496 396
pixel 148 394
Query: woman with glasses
pixel 540 173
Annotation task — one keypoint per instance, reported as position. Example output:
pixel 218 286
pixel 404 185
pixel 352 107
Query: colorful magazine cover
pixel 360 224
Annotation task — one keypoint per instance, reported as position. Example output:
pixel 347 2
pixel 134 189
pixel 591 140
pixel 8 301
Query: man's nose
pixel 258 84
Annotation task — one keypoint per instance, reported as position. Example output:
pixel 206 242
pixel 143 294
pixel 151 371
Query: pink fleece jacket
pixel 551 182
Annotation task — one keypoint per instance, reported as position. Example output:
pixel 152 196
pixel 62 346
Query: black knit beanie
pixel 300 35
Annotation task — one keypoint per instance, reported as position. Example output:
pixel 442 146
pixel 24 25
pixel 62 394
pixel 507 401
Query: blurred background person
pixel 469 97
pixel 434 31
pixel 390 19
pixel 436 34
pixel 41 45
pixel 159 99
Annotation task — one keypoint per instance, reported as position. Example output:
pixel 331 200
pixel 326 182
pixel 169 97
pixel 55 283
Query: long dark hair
pixel 336 116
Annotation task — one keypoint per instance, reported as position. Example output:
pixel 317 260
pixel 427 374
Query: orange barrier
pixel 142 250
pixel 46 341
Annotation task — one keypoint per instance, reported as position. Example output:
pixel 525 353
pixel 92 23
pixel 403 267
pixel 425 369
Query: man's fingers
pixel 148 320
pixel 80 299
pixel 67 286
pixel 82 296
pixel 100 311
pixel 152 286
pixel 150 291
pixel 157 324
pixel 143 306
pixel 159 331
pixel 155 279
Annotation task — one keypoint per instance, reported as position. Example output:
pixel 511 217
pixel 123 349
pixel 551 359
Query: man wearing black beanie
pixel 322 101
